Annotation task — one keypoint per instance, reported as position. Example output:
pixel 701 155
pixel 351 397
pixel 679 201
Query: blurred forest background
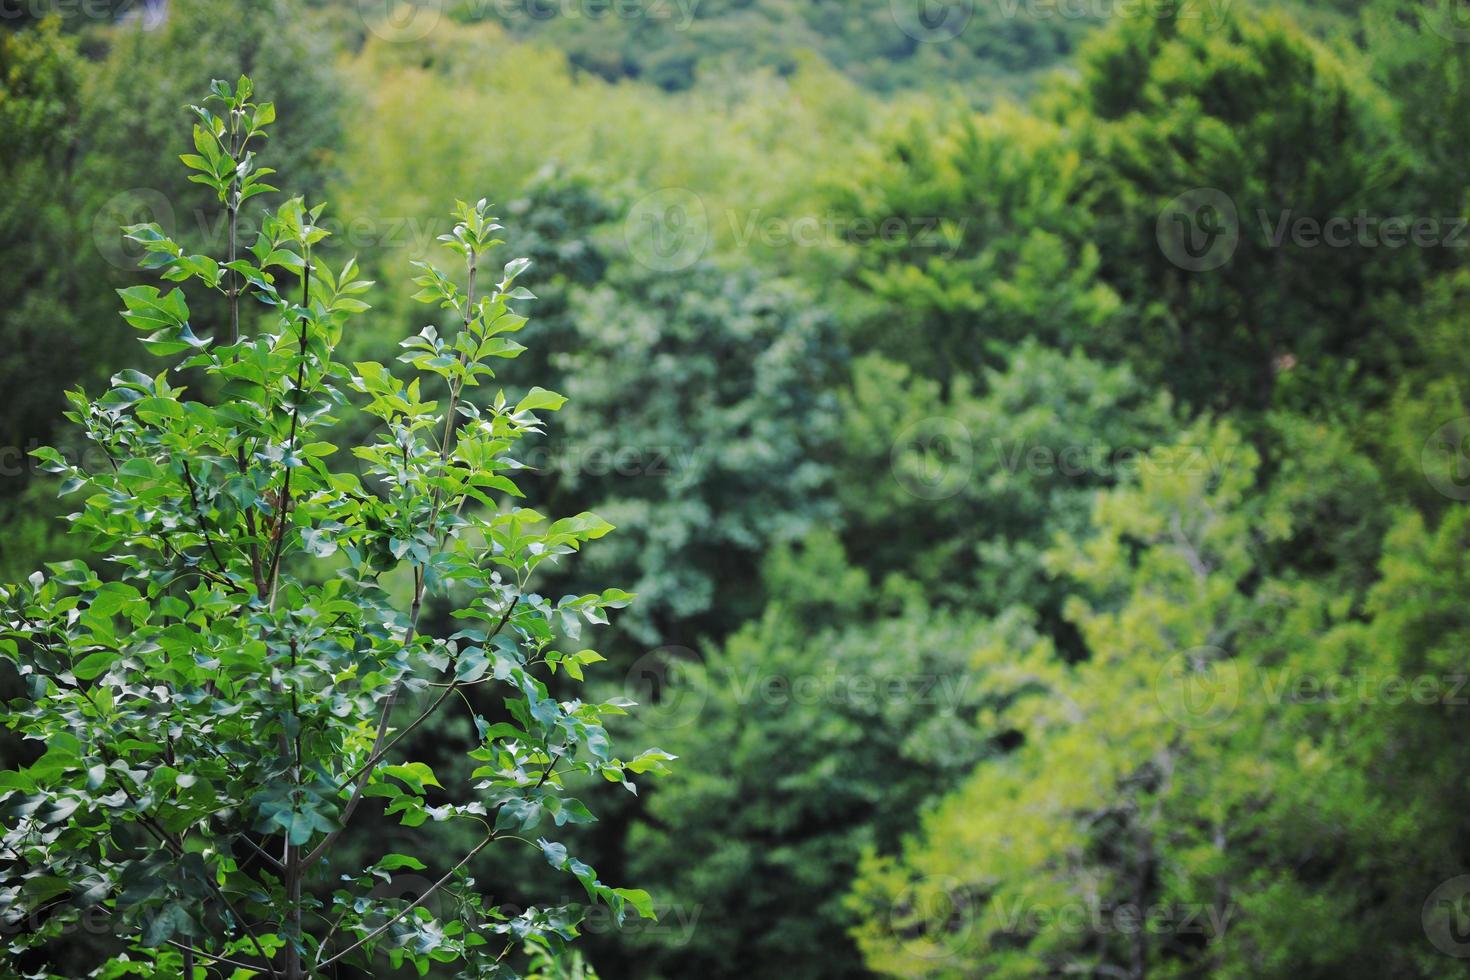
pixel 1037 432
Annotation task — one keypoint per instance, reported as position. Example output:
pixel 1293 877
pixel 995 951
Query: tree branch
pixel 285 498
pixel 199 516
pixel 410 906
pixel 380 749
pixel 214 957
pixel 261 852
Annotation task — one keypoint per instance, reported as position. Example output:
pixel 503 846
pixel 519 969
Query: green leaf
pixel 88 891
pixel 93 665
pixel 555 854
pixel 15 779
pixel 394 862
pixel 414 775
pixel 539 398
pixel 154 410
pixel 114 596
pixel 518 814
pixel 165 924
pixel 639 899
pixel 43 887
pixel 147 309
pixel 651 761
pixel 585 526
pixel 471 666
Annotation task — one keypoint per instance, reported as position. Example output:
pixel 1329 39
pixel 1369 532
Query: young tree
pixel 216 707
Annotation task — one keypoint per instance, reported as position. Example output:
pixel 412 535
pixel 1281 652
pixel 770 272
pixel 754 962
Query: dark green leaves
pixel 92 665
pixel 147 309
pixel 414 775
pixel 171 920
pixel 166 316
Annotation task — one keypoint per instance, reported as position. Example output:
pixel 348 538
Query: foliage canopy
pixel 216 708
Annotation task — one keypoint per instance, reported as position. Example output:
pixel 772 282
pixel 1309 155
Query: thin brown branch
pixel 285 497
pixel 322 964
pixel 199 516
pixel 213 957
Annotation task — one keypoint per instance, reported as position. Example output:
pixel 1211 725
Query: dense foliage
pixel 883 45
